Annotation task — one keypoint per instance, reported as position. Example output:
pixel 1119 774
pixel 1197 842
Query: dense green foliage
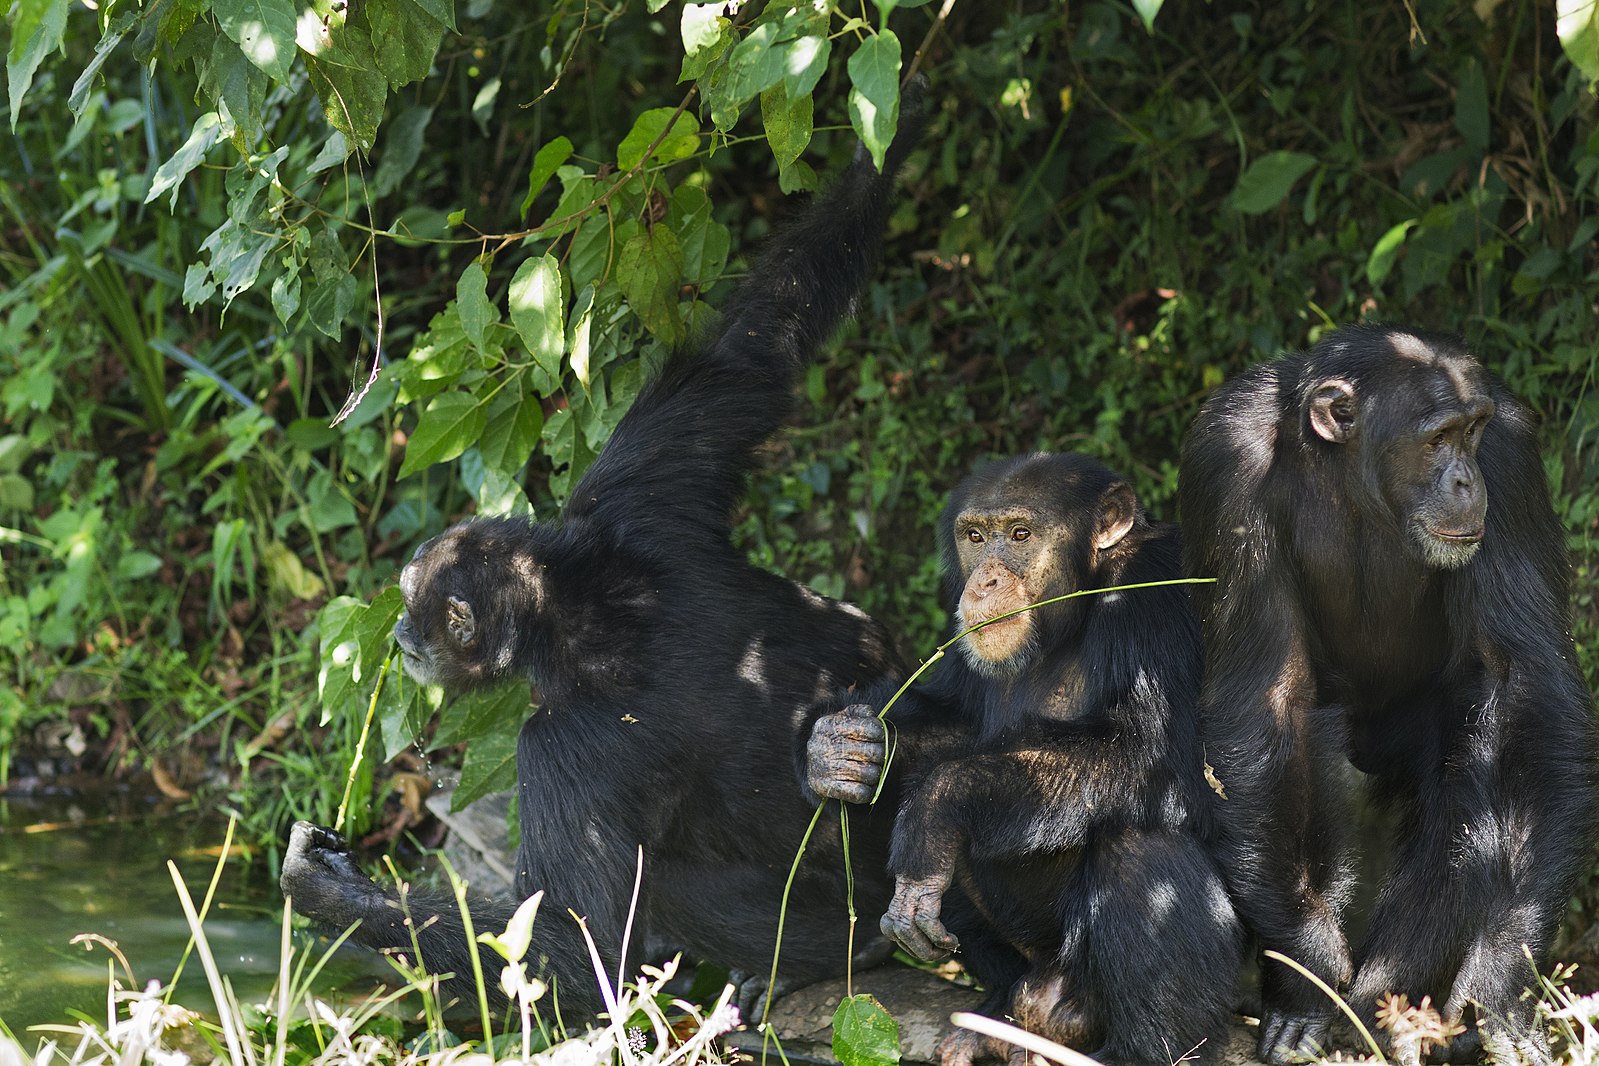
pixel 1107 217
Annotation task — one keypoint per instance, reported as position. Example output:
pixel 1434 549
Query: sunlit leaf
pixel 874 96
pixel 1576 24
pixel 471 298
pixel 37 28
pixel 263 30
pixel 864 1034
pixel 447 427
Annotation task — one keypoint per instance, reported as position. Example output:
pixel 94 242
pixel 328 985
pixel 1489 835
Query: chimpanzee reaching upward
pixel 1049 779
pixel 674 673
pixel 1393 589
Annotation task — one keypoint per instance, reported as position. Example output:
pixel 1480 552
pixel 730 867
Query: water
pixel 98 865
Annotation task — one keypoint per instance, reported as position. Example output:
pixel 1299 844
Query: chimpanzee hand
pixel 912 918
pixel 320 876
pixel 844 757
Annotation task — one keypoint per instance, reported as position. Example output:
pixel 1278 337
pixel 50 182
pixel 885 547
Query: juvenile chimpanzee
pixel 674 674
pixel 1393 589
pixel 1049 779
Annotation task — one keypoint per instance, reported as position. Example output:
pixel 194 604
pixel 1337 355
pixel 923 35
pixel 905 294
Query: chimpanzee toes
pixel 1292 1038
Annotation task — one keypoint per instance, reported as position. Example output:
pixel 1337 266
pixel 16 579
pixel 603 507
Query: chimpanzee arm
pixel 324 883
pixel 680 456
pixel 1004 805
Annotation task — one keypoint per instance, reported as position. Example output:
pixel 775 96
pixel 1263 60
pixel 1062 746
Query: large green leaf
pixel 874 96
pixel 682 141
pixel 472 299
pixel 1267 181
pixel 37 28
pixel 864 1034
pixel 263 30
pixel 405 38
pixel 451 423
pixel 649 271
pixel 208 131
pixel 538 314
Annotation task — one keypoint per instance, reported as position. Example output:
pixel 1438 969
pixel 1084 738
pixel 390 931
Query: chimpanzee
pixel 1049 780
pixel 1393 589
pixel 674 674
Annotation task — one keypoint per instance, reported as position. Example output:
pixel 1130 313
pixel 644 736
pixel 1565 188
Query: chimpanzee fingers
pixel 314 845
pixel 845 755
pixel 921 935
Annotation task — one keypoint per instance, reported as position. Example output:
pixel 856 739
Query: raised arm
pixel 703 417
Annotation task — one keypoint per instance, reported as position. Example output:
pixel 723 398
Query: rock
pixel 479 844
pixel 920 1001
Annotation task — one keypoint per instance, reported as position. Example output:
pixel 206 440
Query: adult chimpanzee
pixel 1393 589
pixel 674 674
pixel 1049 779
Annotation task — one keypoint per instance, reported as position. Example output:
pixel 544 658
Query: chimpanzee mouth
pixel 1466 536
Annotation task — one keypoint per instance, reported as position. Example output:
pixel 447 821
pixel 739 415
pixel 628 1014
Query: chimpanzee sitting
pixel 1049 779
pixel 1393 588
pixel 674 673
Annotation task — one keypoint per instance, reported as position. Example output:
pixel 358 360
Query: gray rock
pixel 920 1001
pixel 479 843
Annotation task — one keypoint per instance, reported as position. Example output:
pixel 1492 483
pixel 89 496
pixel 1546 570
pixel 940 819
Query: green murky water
pixel 99 865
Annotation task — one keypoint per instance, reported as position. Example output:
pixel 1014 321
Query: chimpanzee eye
pixel 974 535
pixel 1438 440
pixel 1020 533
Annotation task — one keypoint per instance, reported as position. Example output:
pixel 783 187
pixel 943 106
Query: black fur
pixel 1453 685
pixel 1062 801
pixel 674 675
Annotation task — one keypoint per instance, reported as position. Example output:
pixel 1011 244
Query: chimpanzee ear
pixel 1332 410
pixel 458 619
pixel 1117 509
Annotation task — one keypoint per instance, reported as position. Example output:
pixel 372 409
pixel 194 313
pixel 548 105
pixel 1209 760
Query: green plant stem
pixel 360 744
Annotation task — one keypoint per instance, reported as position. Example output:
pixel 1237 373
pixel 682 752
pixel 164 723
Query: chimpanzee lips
pixel 1462 536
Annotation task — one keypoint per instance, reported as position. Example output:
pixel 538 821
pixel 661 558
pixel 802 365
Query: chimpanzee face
pixel 1029 532
pixel 1416 431
pixel 462 591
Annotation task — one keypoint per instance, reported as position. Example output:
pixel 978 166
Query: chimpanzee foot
pixel 1290 1038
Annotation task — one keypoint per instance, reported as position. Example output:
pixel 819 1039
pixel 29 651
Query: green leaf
pixel 545 164
pixel 137 564
pixel 470 718
pixel 451 423
pixel 1471 106
pixel 805 64
pixel 344 72
pixel 37 29
pixel 1267 181
pixel 681 142
pixel 263 30
pixel 705 241
pixel 232 80
pixel 649 271
pixel 537 312
pixel 402 147
pixel 582 321
pixel 1385 250
pixel 874 97
pixel 1576 24
pixel 569 453
pixel 441 10
pixel 864 1034
pixel 286 573
pixel 788 124
pixel 208 131
pixel 405 38
pixel 757 63
pixel 489 766
pixel 78 98
pixel 472 300
pixel 1147 10
pixel 515 420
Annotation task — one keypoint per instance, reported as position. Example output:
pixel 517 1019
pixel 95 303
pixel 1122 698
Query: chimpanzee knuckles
pixel 316 857
pixel 912 921
pixel 845 754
